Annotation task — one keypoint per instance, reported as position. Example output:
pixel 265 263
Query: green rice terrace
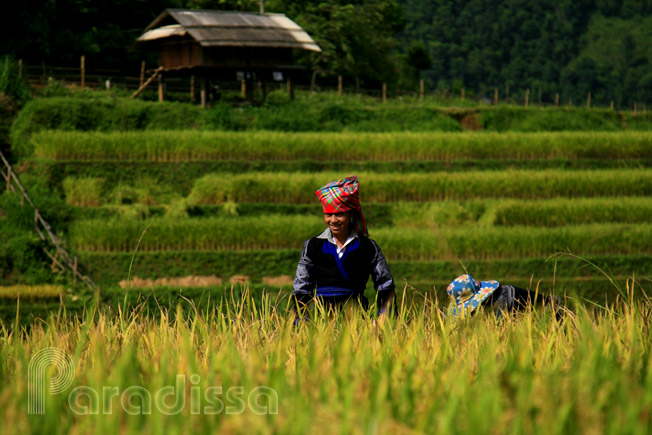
pixel 201 210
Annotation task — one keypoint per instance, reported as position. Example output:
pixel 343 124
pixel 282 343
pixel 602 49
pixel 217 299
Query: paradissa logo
pixel 56 366
pixel 171 400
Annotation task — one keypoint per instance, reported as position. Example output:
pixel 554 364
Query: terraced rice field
pixel 499 205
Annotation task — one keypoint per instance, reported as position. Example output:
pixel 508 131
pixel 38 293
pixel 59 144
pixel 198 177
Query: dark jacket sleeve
pixel 380 274
pixel 382 279
pixel 304 283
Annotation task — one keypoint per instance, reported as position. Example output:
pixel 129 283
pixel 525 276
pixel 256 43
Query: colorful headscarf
pixel 341 196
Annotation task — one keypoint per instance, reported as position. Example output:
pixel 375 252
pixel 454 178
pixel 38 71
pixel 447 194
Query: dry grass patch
pixel 187 281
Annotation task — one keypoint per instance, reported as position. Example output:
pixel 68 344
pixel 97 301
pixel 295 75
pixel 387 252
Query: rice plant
pixel 189 145
pixel 289 232
pixel 249 370
pixel 393 187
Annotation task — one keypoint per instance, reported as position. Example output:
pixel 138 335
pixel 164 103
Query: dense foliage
pixel 569 47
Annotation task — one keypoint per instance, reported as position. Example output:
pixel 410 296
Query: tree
pixel 418 57
pixel 357 37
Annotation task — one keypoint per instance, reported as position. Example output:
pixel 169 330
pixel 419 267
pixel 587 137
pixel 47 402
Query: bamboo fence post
pixel 202 92
pixel 83 71
pixel 588 100
pixel 149 80
pixel 243 88
pixel 421 89
pixel 527 97
pixel 507 92
pixel 313 79
pixel 611 104
pixel 463 94
pixel 160 88
pixel 634 106
pixel 290 88
pixel 192 88
pixel 557 99
pixel 339 86
pixel 142 74
pixel 384 92
pixel 495 96
pixel 20 68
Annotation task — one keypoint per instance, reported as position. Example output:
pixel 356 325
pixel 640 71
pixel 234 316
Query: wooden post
pixel 527 97
pixel 339 86
pixel 243 88
pixel 507 92
pixel 588 100
pixel 556 99
pixel 202 92
pixel 384 92
pixel 495 96
pixel 192 88
pixel 160 88
pixel 290 88
pixel 149 80
pixel 142 73
pixel 20 67
pixel 611 105
pixel 83 71
pixel 421 89
pixel 634 106
pixel 313 79
pixel 463 93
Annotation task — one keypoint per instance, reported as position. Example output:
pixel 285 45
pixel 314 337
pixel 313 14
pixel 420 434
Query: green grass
pixel 468 242
pixel 188 145
pixel 497 212
pixel 391 187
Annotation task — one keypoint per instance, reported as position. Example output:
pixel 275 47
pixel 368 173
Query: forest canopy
pixel 570 47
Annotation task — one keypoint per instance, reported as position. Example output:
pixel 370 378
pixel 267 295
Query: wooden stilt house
pixel 217 44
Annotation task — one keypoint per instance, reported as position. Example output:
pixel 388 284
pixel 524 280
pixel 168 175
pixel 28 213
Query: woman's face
pixel 339 223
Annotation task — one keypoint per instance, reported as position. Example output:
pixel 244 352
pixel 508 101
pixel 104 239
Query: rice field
pixel 456 213
pixel 178 146
pixel 247 369
pixel 510 183
pixel 253 233
pixel 227 358
pixel 27 291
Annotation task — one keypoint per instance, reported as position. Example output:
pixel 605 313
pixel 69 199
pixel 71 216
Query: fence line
pixel 60 258
pixel 107 78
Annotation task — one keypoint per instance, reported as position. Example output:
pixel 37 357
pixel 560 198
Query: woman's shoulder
pixel 313 241
pixel 367 242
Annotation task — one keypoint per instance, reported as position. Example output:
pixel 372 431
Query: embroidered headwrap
pixel 341 196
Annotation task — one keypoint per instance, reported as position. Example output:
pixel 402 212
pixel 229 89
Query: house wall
pixel 187 53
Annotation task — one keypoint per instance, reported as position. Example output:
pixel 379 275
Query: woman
pixel 467 294
pixel 338 262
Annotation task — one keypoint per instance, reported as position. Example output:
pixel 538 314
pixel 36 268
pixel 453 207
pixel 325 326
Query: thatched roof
pixel 229 29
